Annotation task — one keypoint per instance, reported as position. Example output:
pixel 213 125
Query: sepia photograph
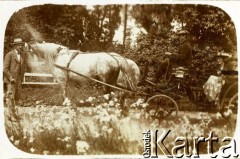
pixel 146 80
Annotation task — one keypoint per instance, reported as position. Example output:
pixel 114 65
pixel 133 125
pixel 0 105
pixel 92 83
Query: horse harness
pixel 69 62
pixel 129 79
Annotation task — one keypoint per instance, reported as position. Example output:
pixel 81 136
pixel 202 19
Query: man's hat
pixel 17 41
pixel 183 32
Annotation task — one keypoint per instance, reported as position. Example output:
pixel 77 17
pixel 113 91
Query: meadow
pixel 97 127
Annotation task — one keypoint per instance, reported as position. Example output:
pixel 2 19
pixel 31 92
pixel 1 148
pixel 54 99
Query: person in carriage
pixel 181 59
pixel 218 83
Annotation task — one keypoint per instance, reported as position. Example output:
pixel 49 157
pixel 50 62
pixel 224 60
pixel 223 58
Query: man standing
pixel 12 71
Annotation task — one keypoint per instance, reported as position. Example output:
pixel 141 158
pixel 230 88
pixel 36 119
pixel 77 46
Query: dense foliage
pixel 93 29
pixel 70 25
pixel 211 31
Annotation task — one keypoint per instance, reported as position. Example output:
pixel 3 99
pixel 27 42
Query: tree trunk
pixel 125 28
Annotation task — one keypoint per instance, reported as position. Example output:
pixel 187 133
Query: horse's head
pixel 43 52
pixel 32 57
pixel 32 49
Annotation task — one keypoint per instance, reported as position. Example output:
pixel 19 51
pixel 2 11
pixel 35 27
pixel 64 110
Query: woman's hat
pixel 17 41
pixel 183 32
pixel 223 55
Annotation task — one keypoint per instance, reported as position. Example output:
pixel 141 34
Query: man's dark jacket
pixel 184 54
pixel 12 67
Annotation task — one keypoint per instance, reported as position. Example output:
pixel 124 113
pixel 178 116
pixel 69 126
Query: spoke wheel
pixel 229 100
pixel 162 106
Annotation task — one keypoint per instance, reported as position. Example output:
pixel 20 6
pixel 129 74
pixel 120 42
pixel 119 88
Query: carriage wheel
pixel 229 99
pixel 161 106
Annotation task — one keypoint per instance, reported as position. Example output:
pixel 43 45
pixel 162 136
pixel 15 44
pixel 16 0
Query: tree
pixel 71 25
pixel 211 31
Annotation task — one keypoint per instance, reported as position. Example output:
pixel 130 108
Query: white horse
pixel 96 65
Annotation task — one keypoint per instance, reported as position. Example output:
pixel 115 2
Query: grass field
pixel 97 127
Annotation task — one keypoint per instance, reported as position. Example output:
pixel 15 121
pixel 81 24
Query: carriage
pixel 166 99
pixel 163 99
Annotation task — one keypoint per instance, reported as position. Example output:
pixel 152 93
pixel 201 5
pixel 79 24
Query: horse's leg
pixel 66 101
pixel 122 102
pixel 61 77
pixel 111 78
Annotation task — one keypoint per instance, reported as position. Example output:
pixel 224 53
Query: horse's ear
pixel 58 49
pixel 27 46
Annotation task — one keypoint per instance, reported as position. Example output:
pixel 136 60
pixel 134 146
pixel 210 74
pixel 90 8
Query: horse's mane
pixel 46 51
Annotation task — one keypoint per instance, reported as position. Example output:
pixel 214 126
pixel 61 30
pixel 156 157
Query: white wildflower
pixel 111 103
pixel 110 130
pixel 45 152
pixel 144 105
pixel 96 117
pixel 104 128
pixel 12 138
pixel 137 116
pixel 103 113
pixel 90 99
pixel 134 105
pixel 99 107
pixel 31 139
pixel 115 100
pixel 105 104
pixel 96 134
pixel 38 102
pixel 227 113
pixel 67 138
pixel 59 139
pixel 81 101
pixel 16 143
pixel 112 93
pixel 114 118
pixel 67 102
pixel 65 116
pixel 106 96
pixel 155 124
pixel 82 147
pixel 139 101
pixel 68 146
pixel 57 124
pixel 218 115
pixel 89 111
pixel 117 105
pixel 186 120
pixel 32 149
pixel 58 152
pixel 105 119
